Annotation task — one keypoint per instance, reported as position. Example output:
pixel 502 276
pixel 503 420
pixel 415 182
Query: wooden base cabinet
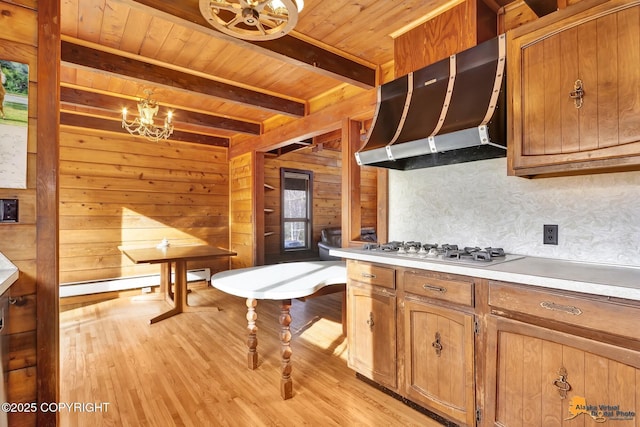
pixel 371 324
pixel 546 378
pixel 490 353
pixel 557 358
pixel 437 345
pixel 414 332
pixel 439 359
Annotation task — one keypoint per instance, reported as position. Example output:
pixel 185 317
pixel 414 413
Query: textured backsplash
pixel 477 204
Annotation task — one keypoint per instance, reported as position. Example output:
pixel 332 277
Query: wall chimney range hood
pixel 453 111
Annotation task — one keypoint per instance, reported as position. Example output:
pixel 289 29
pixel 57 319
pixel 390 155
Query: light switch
pixel 8 210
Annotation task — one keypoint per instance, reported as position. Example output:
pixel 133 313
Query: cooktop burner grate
pixel 442 253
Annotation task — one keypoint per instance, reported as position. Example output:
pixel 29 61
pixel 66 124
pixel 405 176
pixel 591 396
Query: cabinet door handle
pixel 370 321
pixel 561 383
pixel 368 275
pixel 559 307
pixel 18 302
pixel 437 345
pixel 428 287
pixel 577 93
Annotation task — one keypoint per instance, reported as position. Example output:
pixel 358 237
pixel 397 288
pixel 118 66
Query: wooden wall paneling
pixel 22 315
pixel 18 24
pixel 368 196
pixel 117 190
pixel 26 283
pixel 241 210
pixel 22 350
pixel 18 240
pixel 47 308
pixel 25 389
pixel 18 41
pixel 30 244
pixel 382 205
pixel 441 36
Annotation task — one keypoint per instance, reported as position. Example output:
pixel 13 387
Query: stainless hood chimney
pixel 449 112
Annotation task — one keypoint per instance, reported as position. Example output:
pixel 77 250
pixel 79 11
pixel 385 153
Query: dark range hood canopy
pixel 453 111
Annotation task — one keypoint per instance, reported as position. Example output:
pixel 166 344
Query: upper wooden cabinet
pixel 575 91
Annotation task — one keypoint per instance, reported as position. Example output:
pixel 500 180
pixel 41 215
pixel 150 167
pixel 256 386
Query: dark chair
pixel 331 237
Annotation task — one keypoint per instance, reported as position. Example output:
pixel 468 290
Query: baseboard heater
pixel 125 283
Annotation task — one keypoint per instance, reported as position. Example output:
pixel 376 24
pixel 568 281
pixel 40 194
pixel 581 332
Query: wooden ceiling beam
pixel 85 57
pixel 288 49
pixel 359 107
pixel 98 123
pixel 115 104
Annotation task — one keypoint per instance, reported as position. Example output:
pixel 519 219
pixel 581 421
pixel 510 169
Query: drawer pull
pixel 437 345
pixel 559 307
pixel 368 275
pixel 561 383
pixel 440 289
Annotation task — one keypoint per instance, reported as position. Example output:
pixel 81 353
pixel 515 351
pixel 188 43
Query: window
pixel 297 191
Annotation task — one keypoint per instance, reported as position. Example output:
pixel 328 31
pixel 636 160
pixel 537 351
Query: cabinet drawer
pixel 577 310
pixel 371 274
pixel 440 286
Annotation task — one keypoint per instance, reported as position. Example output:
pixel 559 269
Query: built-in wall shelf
pixel 268 210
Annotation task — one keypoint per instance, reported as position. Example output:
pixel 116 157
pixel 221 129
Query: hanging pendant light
pixel 144 124
pixel 252 19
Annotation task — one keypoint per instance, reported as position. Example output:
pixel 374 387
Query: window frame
pixel 308 220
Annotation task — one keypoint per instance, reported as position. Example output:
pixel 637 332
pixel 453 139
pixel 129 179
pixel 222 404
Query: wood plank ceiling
pixel 219 87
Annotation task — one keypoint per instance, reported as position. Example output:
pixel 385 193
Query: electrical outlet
pixel 8 210
pixel 550 234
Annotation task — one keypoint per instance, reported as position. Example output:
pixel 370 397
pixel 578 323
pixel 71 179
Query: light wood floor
pixel 191 370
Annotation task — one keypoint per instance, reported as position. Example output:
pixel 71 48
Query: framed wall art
pixel 14 120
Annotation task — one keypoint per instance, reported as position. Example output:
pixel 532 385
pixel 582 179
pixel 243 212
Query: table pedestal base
pixel 178 296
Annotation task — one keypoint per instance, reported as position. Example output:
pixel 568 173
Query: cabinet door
pixel 546 378
pixel 372 333
pixel 439 359
pixel 576 93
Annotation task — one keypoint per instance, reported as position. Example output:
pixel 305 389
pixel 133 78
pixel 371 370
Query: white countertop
pixel 597 279
pixel 8 273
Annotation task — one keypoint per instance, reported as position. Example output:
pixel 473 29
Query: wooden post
pixel 47 164
pixel 351 216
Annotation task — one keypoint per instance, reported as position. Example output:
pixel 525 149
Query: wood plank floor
pixel 191 369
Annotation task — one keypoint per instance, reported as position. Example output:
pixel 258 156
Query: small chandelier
pixel 144 124
pixel 252 19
